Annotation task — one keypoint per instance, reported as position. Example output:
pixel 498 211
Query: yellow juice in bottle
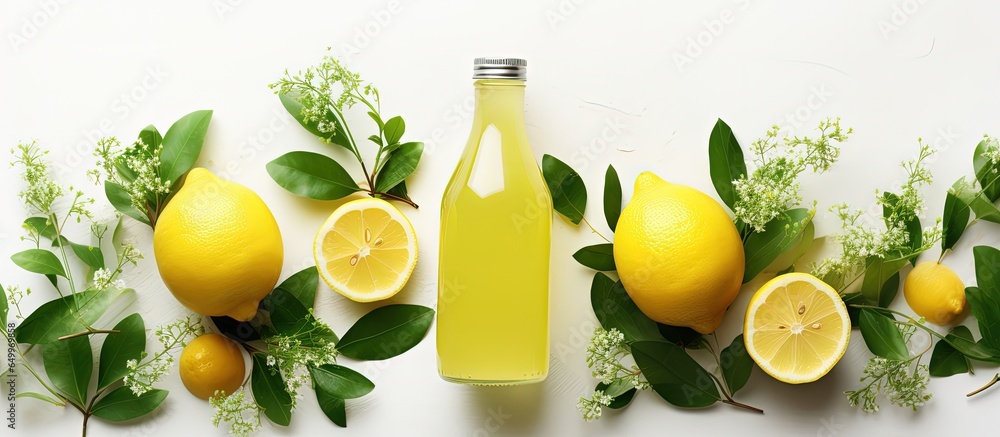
pixel 496 217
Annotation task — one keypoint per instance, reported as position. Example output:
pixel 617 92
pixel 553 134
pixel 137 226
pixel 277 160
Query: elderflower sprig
pixel 903 382
pixel 290 355
pixel 14 296
pixel 320 88
pixel 604 357
pixel 41 192
pixel 142 373
pixel 773 185
pixel 242 415
pixel 860 241
pixel 137 169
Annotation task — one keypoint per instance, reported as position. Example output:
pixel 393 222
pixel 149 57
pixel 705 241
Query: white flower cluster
pixel 773 185
pixel 894 379
pixel 242 415
pixel 41 191
pixel 992 152
pixel 594 406
pixel 104 279
pixel 860 241
pixel 288 355
pixel 322 88
pixel 604 357
pixel 141 162
pixel 142 373
pixel 14 296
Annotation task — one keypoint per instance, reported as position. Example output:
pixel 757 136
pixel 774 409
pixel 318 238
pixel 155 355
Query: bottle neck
pixel 499 101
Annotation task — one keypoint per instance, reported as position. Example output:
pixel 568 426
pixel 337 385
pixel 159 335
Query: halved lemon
pixel 797 328
pixel 366 250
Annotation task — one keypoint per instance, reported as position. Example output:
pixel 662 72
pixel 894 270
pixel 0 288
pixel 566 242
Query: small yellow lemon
pixel 678 254
pixel 217 246
pixel 796 328
pixel 212 362
pixel 366 250
pixel 934 292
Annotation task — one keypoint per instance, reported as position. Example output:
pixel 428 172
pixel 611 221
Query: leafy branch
pixel 60 328
pixel 317 98
pixel 290 349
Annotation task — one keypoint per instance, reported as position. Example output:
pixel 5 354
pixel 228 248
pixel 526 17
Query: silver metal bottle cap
pixel 500 68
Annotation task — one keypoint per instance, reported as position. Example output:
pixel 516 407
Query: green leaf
pixel 182 144
pixel 268 388
pixel 151 137
pixel 39 261
pixel 913 229
pixel 736 364
pixel 121 200
pixel 569 194
pixel 981 206
pixel 889 291
pixel 946 360
pixel 90 255
pixel 882 336
pixel 394 128
pixel 64 316
pixel 288 315
pixel 386 332
pixel 987 173
pixel 312 175
pixel 780 235
pixel 378 120
pixel 954 221
pixel 234 329
pixel 400 191
pixel 375 139
pixel 612 197
pixel 40 397
pixel 851 299
pixel 620 400
pixel 725 160
pixel 674 375
pixel 598 257
pixel 121 404
pixel 335 408
pixel 616 310
pixel 340 381
pixel 338 136
pixel 4 308
pixel 303 285
pixel 69 365
pixel 41 226
pixel 878 271
pixel 120 347
pixel 985 300
pixel 400 165
pixel 681 335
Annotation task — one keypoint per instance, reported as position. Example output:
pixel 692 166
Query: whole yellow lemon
pixel 934 292
pixel 212 362
pixel 217 246
pixel 678 254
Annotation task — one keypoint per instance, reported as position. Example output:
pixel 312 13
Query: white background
pixel 607 84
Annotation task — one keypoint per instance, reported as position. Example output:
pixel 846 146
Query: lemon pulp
pixel 797 328
pixel 366 250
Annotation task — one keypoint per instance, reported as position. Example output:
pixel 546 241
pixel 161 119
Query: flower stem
pixel 594 230
pixel 89 332
pixel 743 406
pixel 395 197
pixel 996 378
